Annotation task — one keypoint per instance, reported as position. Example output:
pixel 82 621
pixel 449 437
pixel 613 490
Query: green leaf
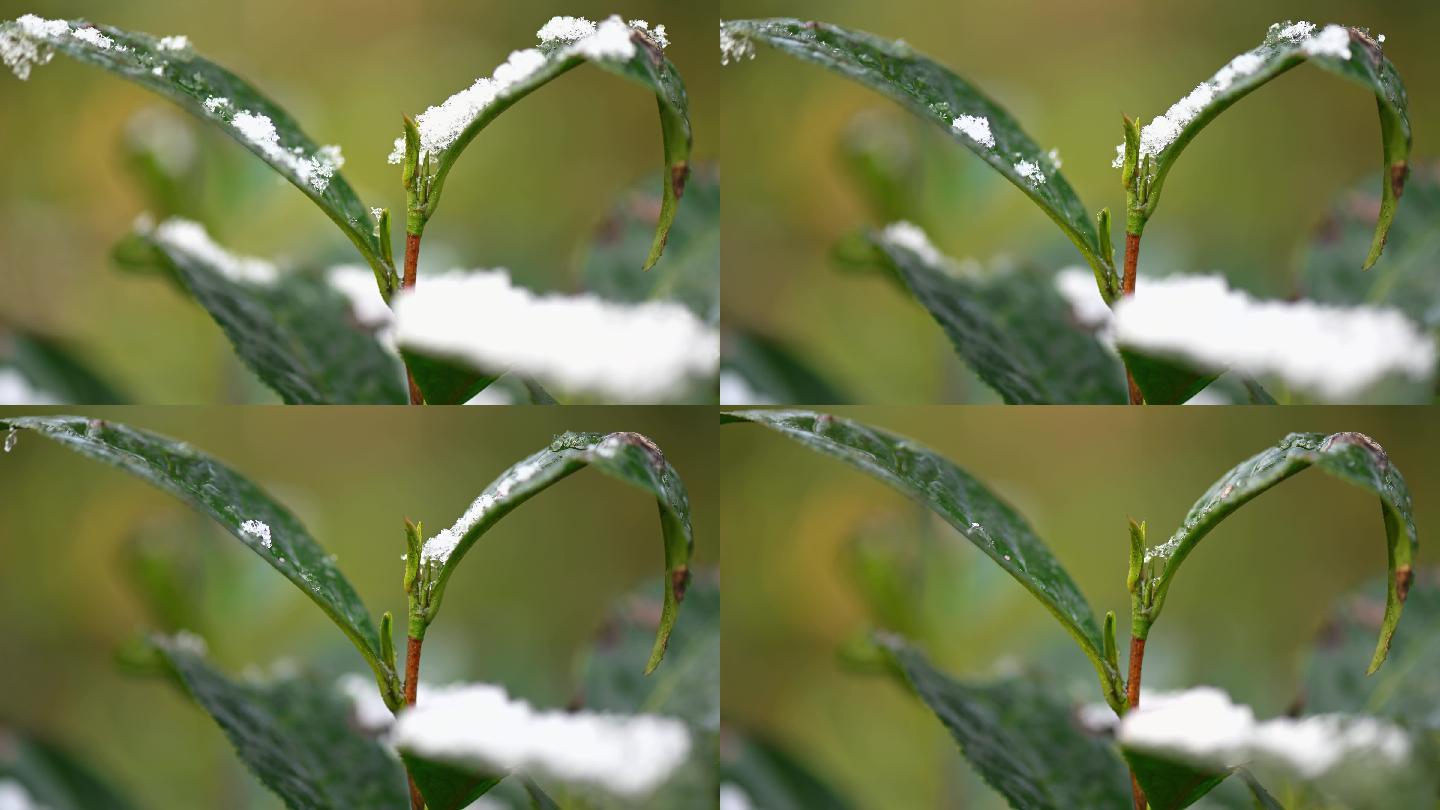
pixel 1164 383
pixel 775 373
pixel 691 272
pixel 1019 737
pixel 539 799
pixel 650 68
pixel 536 392
pixel 443 383
pixel 1364 63
pixel 55 369
pixel 933 92
pixel 771 778
pixel 228 498
pixel 296 332
pixel 978 514
pixel 1263 799
pixel 1171 785
pixel 293 733
pixel 188 79
pixel 1407 690
pixel 445 786
pixel 1352 457
pixel 1406 280
pixel 630 457
pixel 55 778
pixel 1014 329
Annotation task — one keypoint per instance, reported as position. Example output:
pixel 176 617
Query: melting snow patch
pixel 357 283
pixel 1077 286
pixel 647 353
pixel 26 42
pixel 175 43
pixel 976 128
pixel 912 237
pixel 735 389
pixel 734 797
pixel 94 37
pixel 481 726
pixel 189 642
pixel 439 548
pixel 314 170
pixel 1333 352
pixel 1333 40
pixel 14 796
pixel 16 389
pixel 1031 172
pixel 190 239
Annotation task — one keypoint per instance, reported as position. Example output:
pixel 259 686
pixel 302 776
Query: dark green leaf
pixel 1406 279
pixel 226 497
pixel 630 457
pixel 774 780
pixel 445 786
pixel 293 733
pixel 1163 382
pixel 55 369
pixel 539 799
pixel 443 383
pixel 1019 736
pixel 54 778
pixel 933 92
pixel 1363 63
pixel 1351 457
pixel 1256 392
pixel 296 332
pixel 774 373
pixel 190 80
pixel 691 272
pixel 1263 799
pixel 1406 691
pixel 978 514
pixel 650 68
pixel 536 392
pixel 1171 785
pixel 1014 329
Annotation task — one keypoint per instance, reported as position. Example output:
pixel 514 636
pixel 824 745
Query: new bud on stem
pixel 412 554
pixel 1137 555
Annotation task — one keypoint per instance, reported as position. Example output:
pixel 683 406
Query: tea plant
pixel 1018 733
pixel 455 743
pixel 298 330
pixel 1038 337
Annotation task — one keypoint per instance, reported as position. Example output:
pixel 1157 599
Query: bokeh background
pixel 1241 615
pixel 528 195
pixel 530 597
pixel 1243 200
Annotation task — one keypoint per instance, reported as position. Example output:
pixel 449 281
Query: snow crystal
pixel 258 530
pixel 639 353
pixel 976 127
pixel 734 47
pixel 190 238
pixel 16 389
pixel 1294 32
pixel 1334 40
pixel 656 34
pixel 27 42
pixel 1202 726
pixel 734 797
pixel 1333 352
pixel 215 104
pixel 481 726
pixel 561 37
pixel 314 170
pixel 175 43
pixel 94 37
pixel 1030 171
pixel 14 796
pixel 438 549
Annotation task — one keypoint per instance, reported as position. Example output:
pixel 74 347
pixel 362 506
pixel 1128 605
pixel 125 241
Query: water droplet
pixel 1007 558
pixel 11 438
pixel 92 428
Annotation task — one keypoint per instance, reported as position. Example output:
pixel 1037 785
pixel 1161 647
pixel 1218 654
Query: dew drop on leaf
pixel 11 438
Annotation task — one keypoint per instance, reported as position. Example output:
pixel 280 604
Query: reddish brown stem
pixel 1132 699
pixel 412 687
pixel 407 282
pixel 1127 287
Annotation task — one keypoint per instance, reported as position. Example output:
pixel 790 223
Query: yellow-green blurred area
pixel 526 601
pixel 528 194
pixel 1241 614
pixel 1242 200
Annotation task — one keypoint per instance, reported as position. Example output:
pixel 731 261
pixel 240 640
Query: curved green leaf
pixel 771 778
pixel 296 332
pixel 1349 52
pixel 1351 457
pixel 444 383
pixel 630 457
pixel 648 67
pixel 1013 328
pixel 445 786
pixel 1164 383
pixel 55 369
pixel 54 778
pixel 228 498
pixel 933 92
pixel 1019 736
pixel 978 514
pixel 773 372
pixel 1171 785
pixel 293 733
pixel 194 82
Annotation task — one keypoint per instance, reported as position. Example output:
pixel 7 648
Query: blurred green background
pixel 528 194
pixel 1248 192
pixel 1241 615
pixel 528 599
